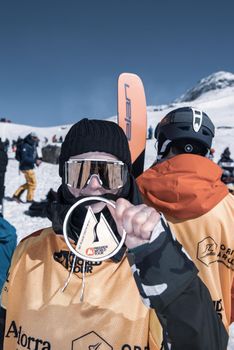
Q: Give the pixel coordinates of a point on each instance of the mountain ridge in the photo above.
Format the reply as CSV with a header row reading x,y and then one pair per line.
x,y
216,81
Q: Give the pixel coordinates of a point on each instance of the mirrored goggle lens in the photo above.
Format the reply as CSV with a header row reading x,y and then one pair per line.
x,y
113,174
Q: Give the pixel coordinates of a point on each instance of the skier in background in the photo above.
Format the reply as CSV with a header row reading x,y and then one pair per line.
x,y
27,156
186,186
111,303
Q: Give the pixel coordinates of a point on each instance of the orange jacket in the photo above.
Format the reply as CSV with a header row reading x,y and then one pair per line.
x,y
200,211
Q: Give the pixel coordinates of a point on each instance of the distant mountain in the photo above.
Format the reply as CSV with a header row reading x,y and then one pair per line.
x,y
216,81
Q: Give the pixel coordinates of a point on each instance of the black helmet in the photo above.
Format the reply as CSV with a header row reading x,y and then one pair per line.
x,y
186,127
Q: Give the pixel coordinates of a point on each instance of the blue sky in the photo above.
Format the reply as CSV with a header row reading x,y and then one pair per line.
x,y
60,60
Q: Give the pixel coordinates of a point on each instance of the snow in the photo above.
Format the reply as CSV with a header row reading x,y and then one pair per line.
x,y
12,131
218,104
47,177
215,81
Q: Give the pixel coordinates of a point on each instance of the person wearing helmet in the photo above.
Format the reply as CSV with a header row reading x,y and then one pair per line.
x,y
186,186
56,300
184,130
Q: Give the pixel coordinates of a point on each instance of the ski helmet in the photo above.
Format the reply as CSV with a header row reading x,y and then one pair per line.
x,y
186,127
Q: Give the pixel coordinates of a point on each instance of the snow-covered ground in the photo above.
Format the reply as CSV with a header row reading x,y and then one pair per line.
x,y
47,177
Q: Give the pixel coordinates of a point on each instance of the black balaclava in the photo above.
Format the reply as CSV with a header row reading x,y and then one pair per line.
x,y
90,136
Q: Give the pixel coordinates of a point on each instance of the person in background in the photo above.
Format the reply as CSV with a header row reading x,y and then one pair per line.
x,y
212,154
226,156
54,139
3,167
150,132
186,186
6,144
226,163
113,304
28,158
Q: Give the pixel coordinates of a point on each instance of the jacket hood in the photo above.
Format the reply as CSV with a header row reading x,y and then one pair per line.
x,y
183,187
28,139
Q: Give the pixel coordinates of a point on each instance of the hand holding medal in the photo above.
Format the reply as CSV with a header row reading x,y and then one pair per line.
x,y
98,242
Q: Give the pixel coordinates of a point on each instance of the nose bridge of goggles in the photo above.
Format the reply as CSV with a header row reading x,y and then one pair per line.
x,y
96,176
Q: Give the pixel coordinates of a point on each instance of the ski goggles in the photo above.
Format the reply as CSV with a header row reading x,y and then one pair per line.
x,y
112,174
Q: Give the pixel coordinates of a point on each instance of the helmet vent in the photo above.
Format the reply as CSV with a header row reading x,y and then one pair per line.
x,y
205,133
184,127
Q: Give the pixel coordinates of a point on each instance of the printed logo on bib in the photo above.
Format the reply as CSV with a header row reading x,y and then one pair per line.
x,y
24,340
208,252
66,258
90,341
96,238
218,305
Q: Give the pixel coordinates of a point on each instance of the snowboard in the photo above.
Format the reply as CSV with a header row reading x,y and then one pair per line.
x,y
132,117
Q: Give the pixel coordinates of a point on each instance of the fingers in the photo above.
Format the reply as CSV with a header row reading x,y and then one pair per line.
x,y
140,218
138,221
133,218
121,205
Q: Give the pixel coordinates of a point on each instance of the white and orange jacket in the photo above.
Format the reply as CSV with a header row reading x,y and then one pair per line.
x,y
200,211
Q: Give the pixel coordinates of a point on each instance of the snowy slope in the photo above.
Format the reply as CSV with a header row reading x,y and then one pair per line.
x,y
216,81
12,131
214,94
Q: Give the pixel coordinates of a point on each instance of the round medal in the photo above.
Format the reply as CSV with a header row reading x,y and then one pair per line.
x,y
97,241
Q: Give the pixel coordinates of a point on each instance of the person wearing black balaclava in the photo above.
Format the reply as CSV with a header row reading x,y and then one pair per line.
x,y
111,304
